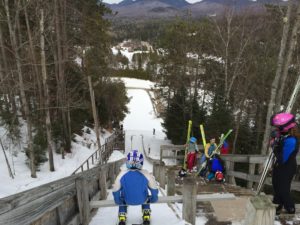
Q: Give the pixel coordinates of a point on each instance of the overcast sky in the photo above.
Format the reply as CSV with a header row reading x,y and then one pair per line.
x,y
117,1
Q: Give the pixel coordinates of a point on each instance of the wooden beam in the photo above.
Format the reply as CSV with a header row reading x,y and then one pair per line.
x,y
83,201
169,199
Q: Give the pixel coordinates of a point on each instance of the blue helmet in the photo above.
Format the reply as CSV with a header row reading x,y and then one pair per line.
x,y
135,160
193,140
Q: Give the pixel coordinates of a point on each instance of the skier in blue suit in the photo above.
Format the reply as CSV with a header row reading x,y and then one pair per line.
x,y
135,187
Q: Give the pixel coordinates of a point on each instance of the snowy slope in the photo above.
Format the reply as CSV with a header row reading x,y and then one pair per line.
x,y
63,167
138,126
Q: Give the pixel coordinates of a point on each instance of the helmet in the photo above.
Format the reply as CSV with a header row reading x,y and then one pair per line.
x,y
283,121
135,160
219,176
193,140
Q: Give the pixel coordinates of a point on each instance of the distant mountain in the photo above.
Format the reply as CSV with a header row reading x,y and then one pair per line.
x,y
215,7
147,8
172,8
173,3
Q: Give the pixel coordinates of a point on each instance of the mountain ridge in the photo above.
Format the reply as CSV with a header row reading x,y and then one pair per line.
x,y
172,8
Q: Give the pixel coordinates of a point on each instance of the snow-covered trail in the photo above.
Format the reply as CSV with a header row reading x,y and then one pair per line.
x,y
138,124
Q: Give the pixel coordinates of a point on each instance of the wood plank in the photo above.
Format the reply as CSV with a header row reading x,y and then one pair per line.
x,y
168,199
83,200
14,201
74,220
35,209
176,147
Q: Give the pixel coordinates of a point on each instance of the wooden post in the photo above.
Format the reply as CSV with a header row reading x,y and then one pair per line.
x,y
156,170
102,183
161,154
251,172
260,211
171,182
230,167
162,175
93,159
83,200
87,164
117,169
189,200
111,174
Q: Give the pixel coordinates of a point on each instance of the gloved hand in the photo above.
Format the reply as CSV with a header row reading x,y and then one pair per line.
x,y
117,198
152,199
154,195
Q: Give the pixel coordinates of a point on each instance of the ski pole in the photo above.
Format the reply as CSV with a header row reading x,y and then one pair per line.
x,y
265,171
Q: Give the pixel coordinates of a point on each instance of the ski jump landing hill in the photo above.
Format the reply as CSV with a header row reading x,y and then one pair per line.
x,y
73,200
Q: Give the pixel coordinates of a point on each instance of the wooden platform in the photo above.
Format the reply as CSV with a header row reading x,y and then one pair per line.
x,y
229,211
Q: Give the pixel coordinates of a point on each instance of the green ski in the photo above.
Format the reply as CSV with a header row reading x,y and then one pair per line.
x,y
216,151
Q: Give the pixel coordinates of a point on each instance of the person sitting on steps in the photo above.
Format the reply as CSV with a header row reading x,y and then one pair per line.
x,y
132,187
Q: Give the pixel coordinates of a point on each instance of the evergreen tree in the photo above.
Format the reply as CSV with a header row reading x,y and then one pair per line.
x,y
176,117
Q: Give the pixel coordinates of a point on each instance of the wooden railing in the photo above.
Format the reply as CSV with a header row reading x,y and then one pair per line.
x,y
172,151
253,161
253,175
113,142
60,202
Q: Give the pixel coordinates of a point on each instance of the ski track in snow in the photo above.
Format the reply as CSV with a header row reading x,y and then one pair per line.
x,y
138,125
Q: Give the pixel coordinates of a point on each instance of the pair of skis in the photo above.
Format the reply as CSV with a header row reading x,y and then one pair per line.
x,y
216,151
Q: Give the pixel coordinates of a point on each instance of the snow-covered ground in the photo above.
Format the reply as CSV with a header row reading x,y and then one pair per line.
x,y
63,167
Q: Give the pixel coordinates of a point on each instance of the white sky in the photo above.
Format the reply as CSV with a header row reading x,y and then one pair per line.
x,y
117,1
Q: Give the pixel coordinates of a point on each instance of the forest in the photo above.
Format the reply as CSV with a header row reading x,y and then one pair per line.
x,y
231,71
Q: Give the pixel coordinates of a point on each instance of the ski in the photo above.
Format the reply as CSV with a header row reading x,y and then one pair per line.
x,y
187,142
216,151
203,136
222,139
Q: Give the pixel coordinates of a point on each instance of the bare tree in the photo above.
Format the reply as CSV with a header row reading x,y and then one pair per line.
x,y
292,46
46,93
15,47
33,55
275,83
94,112
61,74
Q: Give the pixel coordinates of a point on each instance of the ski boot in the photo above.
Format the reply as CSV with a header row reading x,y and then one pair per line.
x,y
146,216
122,218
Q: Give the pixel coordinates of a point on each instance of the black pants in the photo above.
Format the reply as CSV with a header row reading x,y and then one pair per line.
x,y
281,180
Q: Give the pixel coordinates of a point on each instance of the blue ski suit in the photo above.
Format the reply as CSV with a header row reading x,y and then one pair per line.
x,y
134,187
285,150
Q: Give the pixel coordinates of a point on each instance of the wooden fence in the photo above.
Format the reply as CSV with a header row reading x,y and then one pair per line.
x,y
60,202
253,175
113,142
253,161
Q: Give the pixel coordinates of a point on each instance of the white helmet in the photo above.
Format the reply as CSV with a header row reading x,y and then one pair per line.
x,y
135,160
